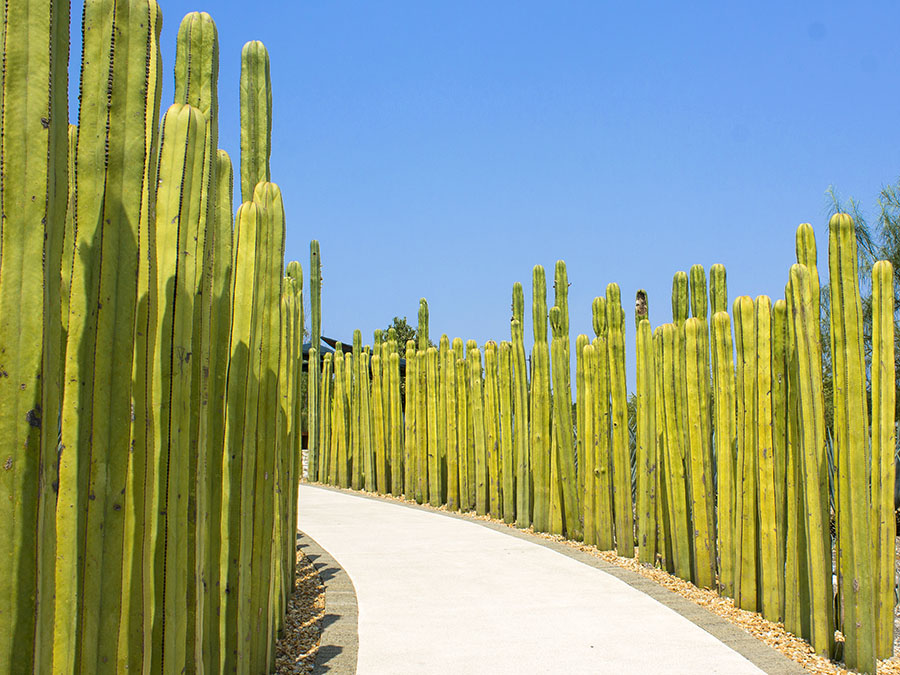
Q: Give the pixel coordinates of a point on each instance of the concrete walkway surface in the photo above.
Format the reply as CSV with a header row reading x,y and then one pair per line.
x,y
441,594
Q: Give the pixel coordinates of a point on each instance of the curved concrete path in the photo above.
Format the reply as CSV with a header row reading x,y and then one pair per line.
x,y
439,594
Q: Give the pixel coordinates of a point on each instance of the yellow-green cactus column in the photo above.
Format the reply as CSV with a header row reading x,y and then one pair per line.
x,y
33,100
603,496
646,433
356,476
746,517
803,305
256,117
326,394
771,576
698,454
421,492
434,451
581,340
854,503
615,319
520,402
396,425
590,439
462,431
883,443
562,419
366,434
409,419
540,404
780,435
507,457
476,399
665,516
314,404
448,392
492,427
378,408
725,440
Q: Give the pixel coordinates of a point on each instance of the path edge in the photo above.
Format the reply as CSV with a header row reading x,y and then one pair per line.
x,y
751,648
338,641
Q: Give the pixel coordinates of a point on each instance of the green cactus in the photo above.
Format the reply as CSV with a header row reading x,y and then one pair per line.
x,y
540,404
675,491
33,100
256,117
366,433
780,435
314,404
396,437
434,428
520,403
476,399
422,330
615,320
697,453
883,443
442,383
492,427
646,439
462,432
771,580
562,413
803,305
665,512
340,456
356,474
746,490
854,503
604,515
448,393
239,385
718,289
581,341
680,298
421,462
409,408
378,425
507,455
725,439
591,444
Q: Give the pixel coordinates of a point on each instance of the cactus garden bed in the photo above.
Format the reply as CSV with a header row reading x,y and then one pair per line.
x,y
773,634
295,651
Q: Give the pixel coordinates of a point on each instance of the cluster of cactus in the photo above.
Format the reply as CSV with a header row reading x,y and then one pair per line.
x,y
726,484
150,369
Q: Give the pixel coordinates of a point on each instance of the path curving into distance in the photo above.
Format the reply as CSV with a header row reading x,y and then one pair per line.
x,y
442,594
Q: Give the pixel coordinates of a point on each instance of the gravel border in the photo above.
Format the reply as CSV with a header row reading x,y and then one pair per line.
x,y
757,652
339,640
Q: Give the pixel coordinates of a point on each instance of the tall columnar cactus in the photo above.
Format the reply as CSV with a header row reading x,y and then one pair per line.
x,y
507,463
434,427
746,517
520,403
476,398
313,404
581,341
562,417
676,495
646,439
256,117
590,439
421,461
326,394
442,383
448,392
615,320
540,404
492,427
604,519
239,443
340,432
33,99
466,503
367,447
665,513
697,453
725,464
396,435
409,417
771,576
422,330
356,474
883,443
854,503
780,435
803,305
378,424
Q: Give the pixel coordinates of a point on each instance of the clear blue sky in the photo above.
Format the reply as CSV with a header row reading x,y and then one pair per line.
x,y
441,149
